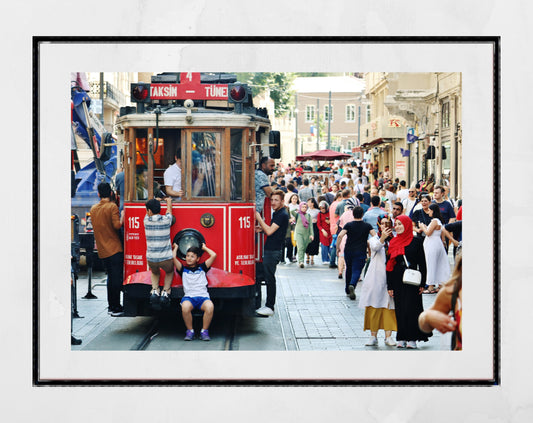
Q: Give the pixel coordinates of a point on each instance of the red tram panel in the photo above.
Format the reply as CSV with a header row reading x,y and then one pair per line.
x,y
230,233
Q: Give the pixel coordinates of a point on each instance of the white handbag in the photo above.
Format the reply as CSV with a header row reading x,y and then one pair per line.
x,y
410,276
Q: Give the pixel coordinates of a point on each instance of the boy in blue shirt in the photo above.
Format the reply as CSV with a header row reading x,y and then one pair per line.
x,y
196,296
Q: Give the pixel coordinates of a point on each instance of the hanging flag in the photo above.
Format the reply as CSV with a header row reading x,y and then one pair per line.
x,y
405,153
313,130
411,137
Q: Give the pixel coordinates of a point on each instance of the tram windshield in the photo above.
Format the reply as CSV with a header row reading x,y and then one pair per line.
x,y
213,163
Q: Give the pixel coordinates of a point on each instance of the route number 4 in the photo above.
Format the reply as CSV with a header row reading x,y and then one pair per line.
x,y
245,222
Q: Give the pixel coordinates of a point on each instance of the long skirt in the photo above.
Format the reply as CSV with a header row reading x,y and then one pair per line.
x,y
379,318
312,247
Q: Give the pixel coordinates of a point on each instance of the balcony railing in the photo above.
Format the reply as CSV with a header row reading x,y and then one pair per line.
x,y
111,93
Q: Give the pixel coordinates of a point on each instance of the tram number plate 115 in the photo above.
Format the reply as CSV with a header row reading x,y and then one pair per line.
x,y
133,222
245,222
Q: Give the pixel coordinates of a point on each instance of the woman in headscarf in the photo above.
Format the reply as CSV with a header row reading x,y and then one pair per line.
x,y
346,216
375,299
324,228
303,230
407,298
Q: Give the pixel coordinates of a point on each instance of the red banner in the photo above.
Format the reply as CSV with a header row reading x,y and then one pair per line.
x,y
190,87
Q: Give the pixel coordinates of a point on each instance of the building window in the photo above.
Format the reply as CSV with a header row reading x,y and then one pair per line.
x,y
446,115
350,113
327,115
309,113
368,115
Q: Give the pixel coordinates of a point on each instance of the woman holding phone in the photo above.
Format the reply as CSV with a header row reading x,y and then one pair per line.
x,y
375,299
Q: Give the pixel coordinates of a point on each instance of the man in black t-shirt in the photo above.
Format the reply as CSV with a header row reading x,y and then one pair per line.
x,y
273,248
446,208
355,249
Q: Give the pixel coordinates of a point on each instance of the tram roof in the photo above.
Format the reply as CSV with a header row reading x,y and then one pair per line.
x,y
176,117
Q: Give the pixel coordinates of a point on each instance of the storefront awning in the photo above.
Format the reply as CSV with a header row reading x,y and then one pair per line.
x,y
367,146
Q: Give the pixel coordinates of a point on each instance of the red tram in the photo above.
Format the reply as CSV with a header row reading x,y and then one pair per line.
x,y
211,120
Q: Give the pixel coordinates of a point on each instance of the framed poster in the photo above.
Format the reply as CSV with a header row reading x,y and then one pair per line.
x,y
476,59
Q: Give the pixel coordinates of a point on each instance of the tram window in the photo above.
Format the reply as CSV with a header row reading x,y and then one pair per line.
x,y
164,149
205,172
236,164
171,144
141,146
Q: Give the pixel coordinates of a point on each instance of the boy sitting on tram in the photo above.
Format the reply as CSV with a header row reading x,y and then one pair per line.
x,y
196,296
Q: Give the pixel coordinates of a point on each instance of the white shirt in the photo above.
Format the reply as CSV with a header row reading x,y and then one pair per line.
x,y
408,205
390,196
403,194
194,281
172,177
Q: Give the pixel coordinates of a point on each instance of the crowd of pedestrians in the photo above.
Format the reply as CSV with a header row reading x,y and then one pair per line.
x,y
351,217
371,228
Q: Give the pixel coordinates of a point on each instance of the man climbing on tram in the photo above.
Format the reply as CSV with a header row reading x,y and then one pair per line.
x,y
262,183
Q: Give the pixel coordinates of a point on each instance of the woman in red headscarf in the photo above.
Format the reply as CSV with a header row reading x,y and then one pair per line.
x,y
407,298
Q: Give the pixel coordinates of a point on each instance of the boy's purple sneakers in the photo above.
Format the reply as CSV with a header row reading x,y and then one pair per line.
x,y
204,335
189,335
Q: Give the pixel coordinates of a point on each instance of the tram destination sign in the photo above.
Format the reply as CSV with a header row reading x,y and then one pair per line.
x,y
189,88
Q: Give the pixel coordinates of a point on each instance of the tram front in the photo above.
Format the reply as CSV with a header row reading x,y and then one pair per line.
x,y
209,123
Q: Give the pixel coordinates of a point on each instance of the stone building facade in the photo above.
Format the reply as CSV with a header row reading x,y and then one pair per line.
x,y
415,126
316,125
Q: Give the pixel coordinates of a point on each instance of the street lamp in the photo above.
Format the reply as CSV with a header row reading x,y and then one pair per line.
x,y
295,114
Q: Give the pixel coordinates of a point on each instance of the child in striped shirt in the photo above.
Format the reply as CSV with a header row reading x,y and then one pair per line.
x,y
159,250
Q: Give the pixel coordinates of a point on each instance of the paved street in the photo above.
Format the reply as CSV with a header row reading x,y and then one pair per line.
x,y
322,317
312,314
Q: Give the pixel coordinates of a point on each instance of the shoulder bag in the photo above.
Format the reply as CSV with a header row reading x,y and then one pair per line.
x,y
411,276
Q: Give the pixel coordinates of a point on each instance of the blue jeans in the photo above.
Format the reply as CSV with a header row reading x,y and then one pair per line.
x,y
333,251
355,262
271,258
325,252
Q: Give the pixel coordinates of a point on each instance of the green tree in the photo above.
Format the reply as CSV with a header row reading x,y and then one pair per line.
x,y
279,85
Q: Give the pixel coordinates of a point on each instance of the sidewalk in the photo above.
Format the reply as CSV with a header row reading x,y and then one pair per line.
x,y
93,312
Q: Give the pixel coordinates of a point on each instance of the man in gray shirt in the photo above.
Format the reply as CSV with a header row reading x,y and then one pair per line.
x,y
306,192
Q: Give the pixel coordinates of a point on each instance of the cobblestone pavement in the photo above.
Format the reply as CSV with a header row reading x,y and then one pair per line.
x,y
322,317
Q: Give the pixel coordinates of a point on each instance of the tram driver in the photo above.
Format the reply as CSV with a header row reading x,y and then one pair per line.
x,y
172,177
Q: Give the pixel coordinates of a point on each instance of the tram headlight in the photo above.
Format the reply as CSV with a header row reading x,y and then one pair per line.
x,y
140,93
237,93
187,238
